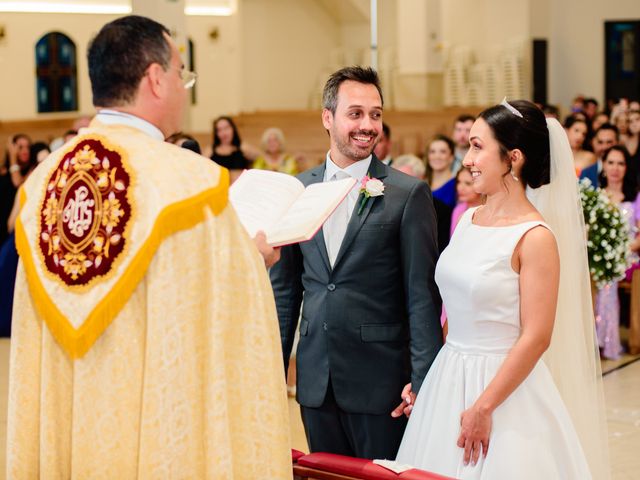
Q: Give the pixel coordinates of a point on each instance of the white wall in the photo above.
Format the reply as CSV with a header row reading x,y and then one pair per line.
x,y
17,59
484,25
218,63
286,46
576,45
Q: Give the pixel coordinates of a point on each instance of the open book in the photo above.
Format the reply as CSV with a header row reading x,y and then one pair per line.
x,y
282,207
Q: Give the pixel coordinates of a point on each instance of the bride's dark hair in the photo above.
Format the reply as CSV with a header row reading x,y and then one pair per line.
x,y
529,134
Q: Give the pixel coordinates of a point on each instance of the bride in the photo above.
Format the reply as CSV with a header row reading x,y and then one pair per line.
x,y
515,284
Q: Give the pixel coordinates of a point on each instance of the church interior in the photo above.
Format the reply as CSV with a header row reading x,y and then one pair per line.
x,y
264,63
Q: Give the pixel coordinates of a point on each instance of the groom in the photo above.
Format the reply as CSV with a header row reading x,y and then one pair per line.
x,y
370,321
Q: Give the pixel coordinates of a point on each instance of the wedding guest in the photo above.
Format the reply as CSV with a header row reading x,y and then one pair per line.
x,y
600,119
621,121
460,136
185,140
577,130
383,147
605,138
551,111
590,108
439,157
412,165
632,141
227,151
274,156
14,169
618,179
8,254
467,197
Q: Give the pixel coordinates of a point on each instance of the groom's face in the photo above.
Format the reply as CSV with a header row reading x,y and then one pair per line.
x,y
357,123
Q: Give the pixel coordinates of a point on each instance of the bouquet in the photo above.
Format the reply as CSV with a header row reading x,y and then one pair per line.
x,y
608,243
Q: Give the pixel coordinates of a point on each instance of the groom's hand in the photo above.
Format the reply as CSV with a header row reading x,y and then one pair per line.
x,y
408,399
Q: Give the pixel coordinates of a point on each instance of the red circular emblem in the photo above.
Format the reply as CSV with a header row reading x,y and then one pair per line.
x,y
85,213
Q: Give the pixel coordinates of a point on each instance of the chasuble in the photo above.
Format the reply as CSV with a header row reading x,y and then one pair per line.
x,y
145,340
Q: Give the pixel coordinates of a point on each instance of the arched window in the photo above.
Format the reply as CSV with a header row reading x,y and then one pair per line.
x,y
56,71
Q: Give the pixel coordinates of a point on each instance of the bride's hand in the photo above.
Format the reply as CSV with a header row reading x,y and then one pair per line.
x,y
475,428
408,399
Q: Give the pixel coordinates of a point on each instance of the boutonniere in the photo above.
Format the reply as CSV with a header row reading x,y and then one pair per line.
x,y
370,187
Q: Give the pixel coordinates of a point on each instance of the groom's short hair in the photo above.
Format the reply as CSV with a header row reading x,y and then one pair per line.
x,y
366,75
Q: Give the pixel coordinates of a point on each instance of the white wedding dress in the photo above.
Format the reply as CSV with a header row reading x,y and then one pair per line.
x,y
532,436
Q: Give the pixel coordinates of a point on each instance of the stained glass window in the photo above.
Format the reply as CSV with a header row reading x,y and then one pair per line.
x,y
56,70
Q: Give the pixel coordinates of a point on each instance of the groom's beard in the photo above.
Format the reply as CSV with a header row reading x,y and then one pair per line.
x,y
355,152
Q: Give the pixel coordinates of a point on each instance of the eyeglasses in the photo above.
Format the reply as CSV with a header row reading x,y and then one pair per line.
x,y
188,78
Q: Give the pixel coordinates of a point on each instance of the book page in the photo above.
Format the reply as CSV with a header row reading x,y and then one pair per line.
x,y
260,198
394,466
309,212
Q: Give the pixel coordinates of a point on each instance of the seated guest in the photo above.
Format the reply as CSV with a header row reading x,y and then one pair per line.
x,y
226,147
185,140
600,119
439,157
383,148
460,136
13,172
605,138
632,141
8,254
577,131
467,196
590,108
551,111
412,165
274,157
621,121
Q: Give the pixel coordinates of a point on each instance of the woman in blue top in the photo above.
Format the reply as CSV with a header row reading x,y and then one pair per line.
x,y
439,157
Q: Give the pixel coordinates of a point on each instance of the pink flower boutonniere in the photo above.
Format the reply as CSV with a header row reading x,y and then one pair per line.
x,y
370,187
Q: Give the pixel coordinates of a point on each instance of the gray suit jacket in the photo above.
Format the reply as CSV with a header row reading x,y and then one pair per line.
x,y
372,323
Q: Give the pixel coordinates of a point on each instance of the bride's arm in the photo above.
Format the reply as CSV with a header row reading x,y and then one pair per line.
x,y
537,260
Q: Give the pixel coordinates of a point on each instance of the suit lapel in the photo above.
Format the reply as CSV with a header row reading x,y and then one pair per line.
x,y
317,176
378,170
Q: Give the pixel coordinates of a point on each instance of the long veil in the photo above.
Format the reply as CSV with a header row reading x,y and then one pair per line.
x,y
573,356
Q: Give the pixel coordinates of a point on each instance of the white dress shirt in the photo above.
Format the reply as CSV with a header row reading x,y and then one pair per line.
x,y
114,117
336,225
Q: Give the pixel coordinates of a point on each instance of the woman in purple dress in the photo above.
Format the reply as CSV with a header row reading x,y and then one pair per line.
x,y
618,180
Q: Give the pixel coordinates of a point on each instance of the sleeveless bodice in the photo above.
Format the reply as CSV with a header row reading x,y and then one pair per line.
x,y
479,288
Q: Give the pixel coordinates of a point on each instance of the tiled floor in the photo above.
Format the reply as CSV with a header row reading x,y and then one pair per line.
x,y
622,389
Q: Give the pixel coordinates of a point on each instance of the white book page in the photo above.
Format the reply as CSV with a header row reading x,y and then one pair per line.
x,y
394,466
309,212
260,198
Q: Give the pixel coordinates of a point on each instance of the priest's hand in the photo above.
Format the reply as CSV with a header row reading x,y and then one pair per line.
x,y
270,254
408,399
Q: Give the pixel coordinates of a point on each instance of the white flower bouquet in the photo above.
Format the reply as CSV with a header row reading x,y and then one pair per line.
x,y
608,242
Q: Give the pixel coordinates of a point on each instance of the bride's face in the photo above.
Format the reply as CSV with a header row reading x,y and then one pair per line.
x,y
483,159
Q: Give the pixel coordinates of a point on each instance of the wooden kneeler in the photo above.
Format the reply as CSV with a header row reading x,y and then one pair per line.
x,y
328,466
